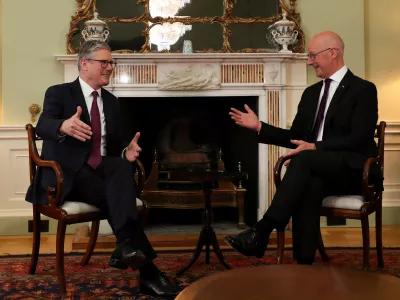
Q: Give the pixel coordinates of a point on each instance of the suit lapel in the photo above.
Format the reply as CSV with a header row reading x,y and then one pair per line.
x,y
338,96
80,101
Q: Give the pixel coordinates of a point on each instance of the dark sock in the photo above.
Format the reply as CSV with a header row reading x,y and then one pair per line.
x,y
128,231
122,236
265,226
149,270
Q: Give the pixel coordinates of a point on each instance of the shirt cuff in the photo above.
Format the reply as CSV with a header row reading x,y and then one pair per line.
x,y
123,152
61,138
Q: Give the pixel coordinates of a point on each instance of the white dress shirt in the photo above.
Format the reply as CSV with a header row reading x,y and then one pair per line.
x,y
87,91
336,79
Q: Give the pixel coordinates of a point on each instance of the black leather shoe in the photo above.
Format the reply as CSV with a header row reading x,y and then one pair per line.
x,y
159,286
248,243
125,256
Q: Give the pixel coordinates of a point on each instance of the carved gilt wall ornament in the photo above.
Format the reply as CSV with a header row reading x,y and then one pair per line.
x,y
226,21
34,109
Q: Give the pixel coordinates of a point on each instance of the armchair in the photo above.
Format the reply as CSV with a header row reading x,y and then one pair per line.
x,y
352,206
67,213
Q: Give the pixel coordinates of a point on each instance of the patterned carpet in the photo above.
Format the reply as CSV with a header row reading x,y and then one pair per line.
x,y
99,281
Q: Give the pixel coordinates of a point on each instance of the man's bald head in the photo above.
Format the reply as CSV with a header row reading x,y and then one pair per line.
x,y
326,50
328,39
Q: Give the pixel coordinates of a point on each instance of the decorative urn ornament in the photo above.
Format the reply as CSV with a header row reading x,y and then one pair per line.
x,y
95,30
283,33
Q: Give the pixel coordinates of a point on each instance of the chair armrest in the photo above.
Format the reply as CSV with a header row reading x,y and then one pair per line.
x,y
369,188
278,170
54,194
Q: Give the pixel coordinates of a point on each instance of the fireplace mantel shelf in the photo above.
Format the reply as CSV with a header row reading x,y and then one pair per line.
x,y
154,57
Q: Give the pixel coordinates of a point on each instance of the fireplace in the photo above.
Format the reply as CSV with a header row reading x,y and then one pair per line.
x,y
275,82
194,132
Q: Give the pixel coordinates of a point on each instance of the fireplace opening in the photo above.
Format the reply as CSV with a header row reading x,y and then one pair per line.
x,y
194,132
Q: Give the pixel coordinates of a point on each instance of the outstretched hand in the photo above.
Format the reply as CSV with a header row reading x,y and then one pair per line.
x,y
248,119
76,128
133,150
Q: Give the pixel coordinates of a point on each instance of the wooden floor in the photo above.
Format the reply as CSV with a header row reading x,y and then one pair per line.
x,y
333,237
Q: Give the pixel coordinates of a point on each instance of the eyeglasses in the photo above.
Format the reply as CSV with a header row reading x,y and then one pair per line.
x,y
314,55
105,63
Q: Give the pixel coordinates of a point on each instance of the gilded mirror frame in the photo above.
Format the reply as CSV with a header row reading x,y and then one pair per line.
x,y
86,8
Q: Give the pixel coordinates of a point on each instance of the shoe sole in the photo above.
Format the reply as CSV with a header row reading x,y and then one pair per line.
x,y
245,253
134,261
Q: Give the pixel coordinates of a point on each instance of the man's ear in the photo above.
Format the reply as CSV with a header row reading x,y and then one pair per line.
x,y
83,63
335,53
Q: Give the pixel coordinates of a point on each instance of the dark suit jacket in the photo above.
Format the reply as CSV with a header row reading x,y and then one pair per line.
x,y
60,103
349,123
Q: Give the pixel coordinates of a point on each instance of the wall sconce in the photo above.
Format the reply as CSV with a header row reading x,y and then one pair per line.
x,y
34,109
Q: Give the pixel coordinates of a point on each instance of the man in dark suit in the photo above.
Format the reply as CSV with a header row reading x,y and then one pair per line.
x,y
332,135
81,130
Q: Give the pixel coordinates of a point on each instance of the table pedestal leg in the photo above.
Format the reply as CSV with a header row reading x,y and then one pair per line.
x,y
207,237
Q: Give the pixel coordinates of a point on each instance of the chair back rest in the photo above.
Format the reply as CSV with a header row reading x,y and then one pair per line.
x,y
380,135
33,152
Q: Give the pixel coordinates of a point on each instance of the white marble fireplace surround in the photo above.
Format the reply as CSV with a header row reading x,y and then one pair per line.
x,y
278,81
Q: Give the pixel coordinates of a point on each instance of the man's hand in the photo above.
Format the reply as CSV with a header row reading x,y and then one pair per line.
x,y
301,145
248,120
133,150
76,128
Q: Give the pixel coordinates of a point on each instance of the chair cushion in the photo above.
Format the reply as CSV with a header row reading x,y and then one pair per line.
x,y
352,202
73,207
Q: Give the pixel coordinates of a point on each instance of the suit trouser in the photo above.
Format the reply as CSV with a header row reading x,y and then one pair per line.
x,y
111,188
311,176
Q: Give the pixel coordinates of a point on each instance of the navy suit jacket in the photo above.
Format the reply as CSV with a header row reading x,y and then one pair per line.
x,y
349,125
60,103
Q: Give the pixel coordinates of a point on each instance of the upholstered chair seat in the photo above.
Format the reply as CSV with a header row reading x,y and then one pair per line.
x,y
74,207
352,202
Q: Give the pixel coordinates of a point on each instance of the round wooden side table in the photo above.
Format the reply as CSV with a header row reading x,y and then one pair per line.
x,y
293,282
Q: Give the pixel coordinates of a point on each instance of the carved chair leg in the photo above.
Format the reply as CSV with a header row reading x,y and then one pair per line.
x,y
321,247
378,230
36,240
366,243
60,258
92,243
280,236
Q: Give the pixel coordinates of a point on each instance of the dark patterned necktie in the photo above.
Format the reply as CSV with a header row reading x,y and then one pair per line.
x,y
95,155
321,111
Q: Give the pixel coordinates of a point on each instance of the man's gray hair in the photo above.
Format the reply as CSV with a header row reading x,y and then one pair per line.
x,y
88,47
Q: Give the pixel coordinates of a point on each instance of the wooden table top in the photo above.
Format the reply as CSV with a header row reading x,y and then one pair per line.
x,y
293,282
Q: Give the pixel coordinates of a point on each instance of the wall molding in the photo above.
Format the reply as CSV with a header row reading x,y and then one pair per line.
x,y
13,132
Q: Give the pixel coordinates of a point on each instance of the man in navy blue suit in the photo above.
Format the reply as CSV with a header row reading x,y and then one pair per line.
x,y
331,137
81,131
